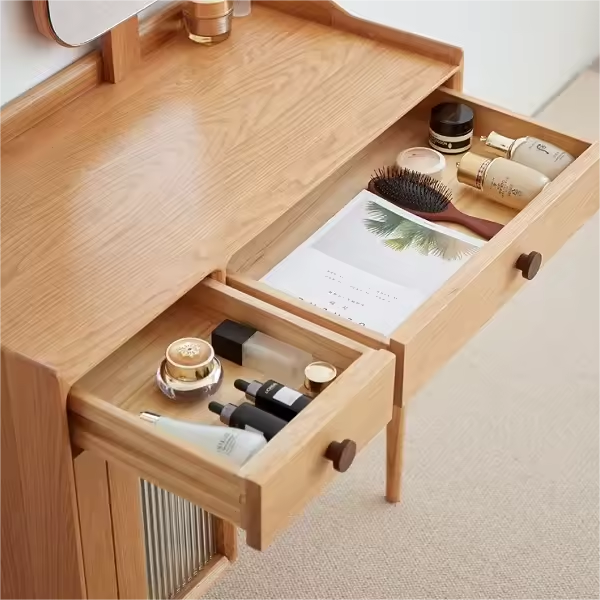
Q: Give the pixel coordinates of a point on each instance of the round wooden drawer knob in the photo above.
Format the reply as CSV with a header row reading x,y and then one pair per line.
x,y
529,264
341,454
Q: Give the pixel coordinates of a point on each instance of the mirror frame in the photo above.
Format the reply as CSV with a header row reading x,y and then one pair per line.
x,y
43,20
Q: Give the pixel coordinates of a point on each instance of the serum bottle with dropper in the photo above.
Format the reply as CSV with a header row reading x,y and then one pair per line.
x,y
529,151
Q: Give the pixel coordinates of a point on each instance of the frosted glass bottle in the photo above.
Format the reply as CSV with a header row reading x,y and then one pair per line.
x,y
244,345
531,152
277,359
502,180
235,445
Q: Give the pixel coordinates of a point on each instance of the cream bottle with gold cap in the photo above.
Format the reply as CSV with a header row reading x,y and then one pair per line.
x,y
502,180
529,151
208,22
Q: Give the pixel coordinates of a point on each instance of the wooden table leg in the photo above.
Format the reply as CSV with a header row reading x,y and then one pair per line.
x,y
394,443
227,544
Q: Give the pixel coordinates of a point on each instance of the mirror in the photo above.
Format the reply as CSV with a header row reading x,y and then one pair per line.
x,y
80,22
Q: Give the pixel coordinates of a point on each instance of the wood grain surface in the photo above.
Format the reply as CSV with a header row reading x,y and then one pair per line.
x,y
41,552
206,578
394,450
96,526
227,539
328,12
135,192
84,74
44,99
572,189
292,469
121,50
440,326
128,532
106,402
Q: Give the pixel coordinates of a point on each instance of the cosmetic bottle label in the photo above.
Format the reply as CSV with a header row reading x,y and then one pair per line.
x,y
450,145
287,395
282,394
227,443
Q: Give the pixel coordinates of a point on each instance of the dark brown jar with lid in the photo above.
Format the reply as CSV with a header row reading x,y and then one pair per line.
x,y
451,127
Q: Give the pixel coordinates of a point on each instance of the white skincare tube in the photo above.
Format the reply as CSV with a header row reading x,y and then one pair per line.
x,y
235,445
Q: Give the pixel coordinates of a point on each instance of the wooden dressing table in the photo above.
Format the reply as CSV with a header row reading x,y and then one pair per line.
x,y
136,213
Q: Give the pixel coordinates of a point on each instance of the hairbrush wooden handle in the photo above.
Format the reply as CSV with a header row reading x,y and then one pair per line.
x,y
486,229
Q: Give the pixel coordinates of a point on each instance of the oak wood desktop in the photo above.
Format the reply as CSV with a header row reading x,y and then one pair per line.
x,y
213,161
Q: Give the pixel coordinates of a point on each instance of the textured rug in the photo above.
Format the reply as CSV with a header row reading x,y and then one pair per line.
x,y
501,470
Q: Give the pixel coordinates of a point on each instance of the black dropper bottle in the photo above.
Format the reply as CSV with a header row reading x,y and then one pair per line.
x,y
247,416
274,398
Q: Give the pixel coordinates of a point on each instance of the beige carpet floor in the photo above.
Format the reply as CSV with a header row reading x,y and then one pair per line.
x,y
501,479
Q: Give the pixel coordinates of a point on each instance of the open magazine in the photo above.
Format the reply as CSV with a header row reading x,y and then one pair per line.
x,y
372,263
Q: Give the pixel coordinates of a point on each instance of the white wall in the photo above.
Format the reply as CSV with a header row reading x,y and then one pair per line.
x,y
26,56
517,53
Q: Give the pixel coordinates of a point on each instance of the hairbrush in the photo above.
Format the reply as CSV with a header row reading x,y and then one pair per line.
x,y
427,198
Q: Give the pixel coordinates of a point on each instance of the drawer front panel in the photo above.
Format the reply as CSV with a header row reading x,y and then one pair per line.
x,y
292,469
469,299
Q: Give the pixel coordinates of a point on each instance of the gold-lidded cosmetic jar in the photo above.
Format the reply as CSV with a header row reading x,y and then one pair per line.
x,y
189,371
208,22
317,376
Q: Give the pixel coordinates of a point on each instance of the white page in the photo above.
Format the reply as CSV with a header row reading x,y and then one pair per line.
x,y
372,263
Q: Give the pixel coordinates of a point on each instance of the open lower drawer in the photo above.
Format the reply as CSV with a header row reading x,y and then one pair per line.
x,y
453,314
279,480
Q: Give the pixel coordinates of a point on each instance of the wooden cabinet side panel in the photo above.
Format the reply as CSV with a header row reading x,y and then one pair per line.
x,y
39,510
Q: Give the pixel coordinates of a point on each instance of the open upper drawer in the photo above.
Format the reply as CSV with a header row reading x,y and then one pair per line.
x,y
453,314
279,480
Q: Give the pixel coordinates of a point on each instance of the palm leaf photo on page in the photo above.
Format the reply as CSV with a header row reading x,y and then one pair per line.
x,y
372,263
400,233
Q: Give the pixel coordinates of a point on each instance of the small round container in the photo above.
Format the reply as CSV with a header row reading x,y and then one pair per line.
x,y
208,22
451,128
317,376
423,160
190,370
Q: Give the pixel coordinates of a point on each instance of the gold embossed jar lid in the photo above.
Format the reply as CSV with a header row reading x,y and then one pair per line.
x,y
190,359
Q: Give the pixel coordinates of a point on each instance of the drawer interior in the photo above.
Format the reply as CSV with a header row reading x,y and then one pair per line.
x,y
257,258
105,404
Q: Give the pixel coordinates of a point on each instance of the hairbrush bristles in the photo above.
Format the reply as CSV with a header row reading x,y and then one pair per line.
x,y
410,189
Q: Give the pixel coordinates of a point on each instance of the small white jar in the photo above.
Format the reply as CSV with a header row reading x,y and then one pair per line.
x,y
423,160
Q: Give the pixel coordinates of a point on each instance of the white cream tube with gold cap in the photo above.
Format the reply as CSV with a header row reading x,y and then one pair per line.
x,y
235,445
529,151
502,180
